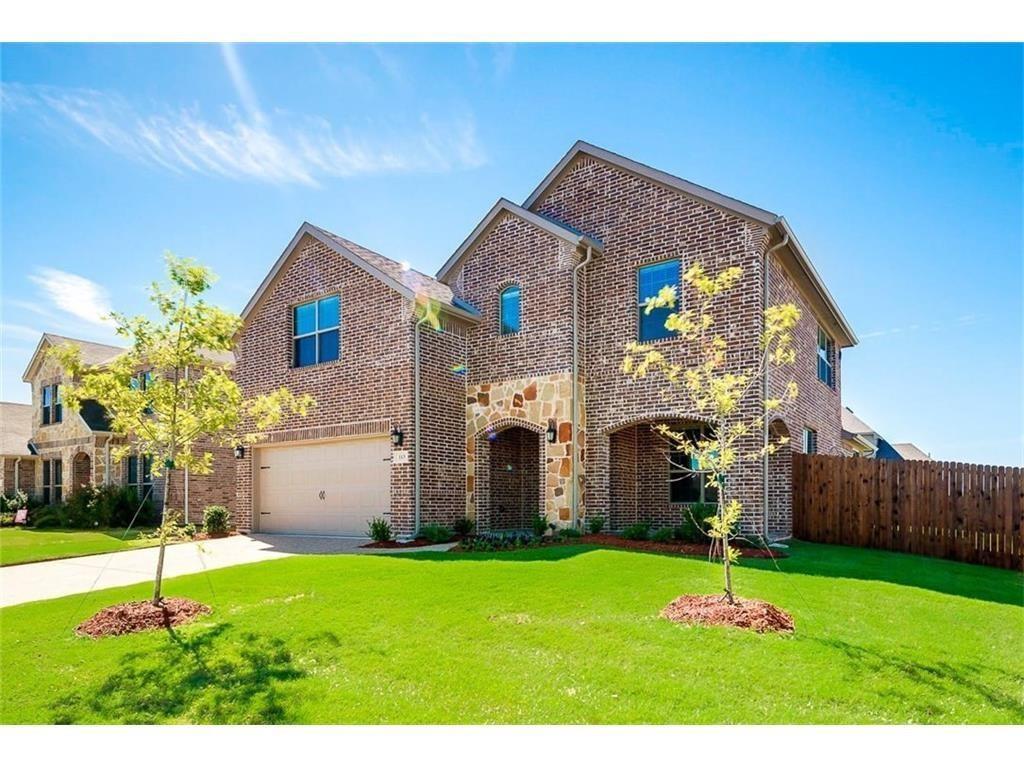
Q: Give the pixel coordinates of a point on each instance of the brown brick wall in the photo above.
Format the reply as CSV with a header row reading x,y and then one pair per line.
x,y
640,222
372,381
204,490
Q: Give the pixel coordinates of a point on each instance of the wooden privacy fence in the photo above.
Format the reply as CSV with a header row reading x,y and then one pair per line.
x,y
965,512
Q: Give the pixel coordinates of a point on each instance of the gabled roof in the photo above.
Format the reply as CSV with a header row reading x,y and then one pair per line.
x,y
910,452
15,429
408,282
92,353
855,425
799,261
550,226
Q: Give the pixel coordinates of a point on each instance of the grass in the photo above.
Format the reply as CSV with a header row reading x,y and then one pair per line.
x,y
556,635
30,545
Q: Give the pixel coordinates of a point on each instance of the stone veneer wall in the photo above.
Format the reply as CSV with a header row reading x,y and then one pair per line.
x,y
531,403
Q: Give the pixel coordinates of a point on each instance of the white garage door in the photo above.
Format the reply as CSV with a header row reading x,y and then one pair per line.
x,y
334,487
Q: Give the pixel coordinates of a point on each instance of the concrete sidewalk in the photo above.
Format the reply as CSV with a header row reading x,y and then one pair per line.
x,y
74,575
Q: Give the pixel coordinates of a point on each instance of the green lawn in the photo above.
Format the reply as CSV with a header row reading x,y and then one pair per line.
x,y
29,545
559,635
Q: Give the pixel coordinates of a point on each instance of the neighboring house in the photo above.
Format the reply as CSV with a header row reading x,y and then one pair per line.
x,y
74,449
17,463
508,400
859,439
910,452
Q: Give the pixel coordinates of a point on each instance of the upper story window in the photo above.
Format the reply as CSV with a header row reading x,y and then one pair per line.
x,y
53,408
510,310
316,331
141,381
686,485
826,358
810,440
649,280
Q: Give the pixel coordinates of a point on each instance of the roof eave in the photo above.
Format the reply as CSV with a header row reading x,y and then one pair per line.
x,y
849,337
503,205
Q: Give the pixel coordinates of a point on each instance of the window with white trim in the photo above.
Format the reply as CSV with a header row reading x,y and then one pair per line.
x,y
52,405
509,310
139,474
650,279
826,358
316,332
810,440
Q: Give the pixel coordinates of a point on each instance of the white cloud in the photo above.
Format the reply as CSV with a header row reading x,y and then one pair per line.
x,y
306,150
78,296
20,332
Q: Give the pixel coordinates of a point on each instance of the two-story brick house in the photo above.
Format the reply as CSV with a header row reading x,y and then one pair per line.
x,y
510,401
73,449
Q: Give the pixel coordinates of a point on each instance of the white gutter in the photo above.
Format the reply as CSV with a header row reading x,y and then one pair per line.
x,y
17,475
764,393
574,478
416,429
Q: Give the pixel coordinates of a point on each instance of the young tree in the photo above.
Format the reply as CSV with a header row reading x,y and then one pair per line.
x,y
719,390
188,401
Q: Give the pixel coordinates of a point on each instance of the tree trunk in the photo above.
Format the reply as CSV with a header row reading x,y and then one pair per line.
x,y
158,580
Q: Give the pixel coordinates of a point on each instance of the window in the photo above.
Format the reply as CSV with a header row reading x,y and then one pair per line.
x,y
810,440
826,354
686,485
316,329
53,480
47,395
142,481
650,280
142,380
53,407
509,310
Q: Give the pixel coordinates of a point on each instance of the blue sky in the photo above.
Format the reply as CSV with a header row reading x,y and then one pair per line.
x,y
900,167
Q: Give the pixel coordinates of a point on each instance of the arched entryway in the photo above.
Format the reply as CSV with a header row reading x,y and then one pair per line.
x,y
509,476
780,481
649,479
81,470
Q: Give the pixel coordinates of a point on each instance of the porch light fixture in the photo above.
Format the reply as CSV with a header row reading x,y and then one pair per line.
x,y
552,433
239,451
397,436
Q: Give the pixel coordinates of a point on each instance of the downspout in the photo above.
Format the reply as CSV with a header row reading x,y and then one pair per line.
x,y
574,477
764,394
416,429
106,461
17,475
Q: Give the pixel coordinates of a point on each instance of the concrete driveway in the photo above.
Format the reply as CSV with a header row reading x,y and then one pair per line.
x,y
74,575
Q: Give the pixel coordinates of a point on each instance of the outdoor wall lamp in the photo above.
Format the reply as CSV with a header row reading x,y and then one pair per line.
x,y
397,436
239,451
552,433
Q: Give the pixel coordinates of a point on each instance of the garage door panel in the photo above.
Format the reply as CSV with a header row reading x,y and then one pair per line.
x,y
332,487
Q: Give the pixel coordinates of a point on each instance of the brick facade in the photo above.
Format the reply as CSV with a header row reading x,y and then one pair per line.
x,y
477,384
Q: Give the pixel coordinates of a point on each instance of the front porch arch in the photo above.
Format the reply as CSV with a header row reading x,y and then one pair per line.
x,y
509,487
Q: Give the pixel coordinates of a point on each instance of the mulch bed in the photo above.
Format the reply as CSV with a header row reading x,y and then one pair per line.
x,y
141,615
675,548
397,544
714,610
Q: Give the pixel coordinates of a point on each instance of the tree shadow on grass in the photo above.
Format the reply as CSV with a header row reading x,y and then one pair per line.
x,y
205,676
978,582
944,678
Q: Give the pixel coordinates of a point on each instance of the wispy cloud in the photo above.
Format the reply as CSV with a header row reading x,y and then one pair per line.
x,y
78,296
306,150
934,327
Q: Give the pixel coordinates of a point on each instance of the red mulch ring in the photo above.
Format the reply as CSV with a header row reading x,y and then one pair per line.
x,y
396,544
714,610
138,616
675,548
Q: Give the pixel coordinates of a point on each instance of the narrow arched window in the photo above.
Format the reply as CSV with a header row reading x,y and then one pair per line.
x,y
509,310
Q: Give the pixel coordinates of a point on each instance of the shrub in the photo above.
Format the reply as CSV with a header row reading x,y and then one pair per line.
x,y
15,501
663,535
595,523
119,504
539,525
464,526
46,517
215,519
81,510
637,531
570,533
436,534
380,529
6,518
